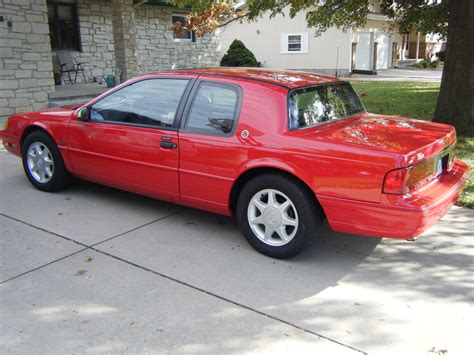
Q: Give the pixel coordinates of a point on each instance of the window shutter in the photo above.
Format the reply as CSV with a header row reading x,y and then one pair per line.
x,y
284,43
304,42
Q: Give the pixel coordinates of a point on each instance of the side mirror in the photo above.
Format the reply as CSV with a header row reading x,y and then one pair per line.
x,y
83,114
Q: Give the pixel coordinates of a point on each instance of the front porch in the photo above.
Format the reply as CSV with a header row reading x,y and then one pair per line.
x,y
75,94
121,38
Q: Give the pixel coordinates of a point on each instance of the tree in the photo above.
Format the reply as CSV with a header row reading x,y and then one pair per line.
x,y
238,56
451,18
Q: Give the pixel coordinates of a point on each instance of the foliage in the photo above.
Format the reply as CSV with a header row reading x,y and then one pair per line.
x,y
416,100
206,18
441,55
465,152
426,16
238,56
433,64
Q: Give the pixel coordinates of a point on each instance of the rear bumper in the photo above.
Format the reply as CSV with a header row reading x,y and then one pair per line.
x,y
398,216
12,144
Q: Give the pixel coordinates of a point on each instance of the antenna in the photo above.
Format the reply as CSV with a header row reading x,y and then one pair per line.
x,y
337,60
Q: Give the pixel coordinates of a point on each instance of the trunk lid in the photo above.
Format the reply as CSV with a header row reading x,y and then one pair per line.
x,y
413,140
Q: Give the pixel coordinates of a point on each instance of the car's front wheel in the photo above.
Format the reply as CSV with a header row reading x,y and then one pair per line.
x,y
277,215
43,164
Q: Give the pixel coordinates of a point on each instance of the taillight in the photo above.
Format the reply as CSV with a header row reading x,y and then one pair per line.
x,y
396,182
402,181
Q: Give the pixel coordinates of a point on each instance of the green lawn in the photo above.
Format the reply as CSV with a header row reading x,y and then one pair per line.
x,y
415,100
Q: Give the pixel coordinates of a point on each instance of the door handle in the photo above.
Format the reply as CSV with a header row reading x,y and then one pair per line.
x,y
168,145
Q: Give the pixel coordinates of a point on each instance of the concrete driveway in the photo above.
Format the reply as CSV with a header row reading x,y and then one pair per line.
x,y
402,74
96,270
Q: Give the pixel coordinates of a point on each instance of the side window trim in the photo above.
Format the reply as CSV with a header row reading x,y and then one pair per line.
x,y
191,98
179,109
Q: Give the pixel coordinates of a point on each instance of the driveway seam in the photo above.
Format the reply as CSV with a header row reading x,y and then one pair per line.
x,y
136,228
85,246
222,298
42,266
170,278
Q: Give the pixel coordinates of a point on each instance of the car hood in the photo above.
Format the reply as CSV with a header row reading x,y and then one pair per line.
x,y
56,114
412,140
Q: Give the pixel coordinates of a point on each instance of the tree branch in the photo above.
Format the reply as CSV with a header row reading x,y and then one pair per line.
x,y
232,20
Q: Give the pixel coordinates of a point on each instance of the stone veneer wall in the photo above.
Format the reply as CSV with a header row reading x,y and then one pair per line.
x,y
157,50
26,73
95,26
26,60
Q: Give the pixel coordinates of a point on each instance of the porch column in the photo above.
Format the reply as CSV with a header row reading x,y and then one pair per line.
x,y
417,45
125,39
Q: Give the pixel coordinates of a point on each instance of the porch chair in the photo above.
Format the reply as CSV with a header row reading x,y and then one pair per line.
x,y
67,65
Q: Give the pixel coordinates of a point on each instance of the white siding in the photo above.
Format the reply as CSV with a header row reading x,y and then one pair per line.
x,y
264,39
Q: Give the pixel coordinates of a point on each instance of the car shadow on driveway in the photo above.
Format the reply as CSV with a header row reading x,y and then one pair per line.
x,y
362,291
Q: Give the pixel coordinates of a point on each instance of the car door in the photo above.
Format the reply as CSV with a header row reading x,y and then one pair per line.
x,y
130,138
210,152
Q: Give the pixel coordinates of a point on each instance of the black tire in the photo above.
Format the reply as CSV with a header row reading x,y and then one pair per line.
x,y
309,214
60,177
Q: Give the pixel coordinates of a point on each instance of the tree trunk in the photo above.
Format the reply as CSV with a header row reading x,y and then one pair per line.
x,y
456,97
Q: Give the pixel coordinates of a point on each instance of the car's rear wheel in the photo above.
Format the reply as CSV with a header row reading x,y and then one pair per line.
x,y
44,167
278,215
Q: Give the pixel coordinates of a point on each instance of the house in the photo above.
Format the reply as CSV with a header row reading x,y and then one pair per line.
x,y
284,42
416,46
111,37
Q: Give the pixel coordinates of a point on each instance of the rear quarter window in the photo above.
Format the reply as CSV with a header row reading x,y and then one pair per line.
x,y
314,105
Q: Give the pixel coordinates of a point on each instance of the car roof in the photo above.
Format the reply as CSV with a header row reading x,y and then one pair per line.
x,y
286,78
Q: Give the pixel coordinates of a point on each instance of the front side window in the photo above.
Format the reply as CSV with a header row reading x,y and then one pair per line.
x,y
151,102
63,25
314,105
214,109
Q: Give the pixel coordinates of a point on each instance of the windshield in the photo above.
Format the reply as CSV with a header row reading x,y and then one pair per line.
x,y
314,105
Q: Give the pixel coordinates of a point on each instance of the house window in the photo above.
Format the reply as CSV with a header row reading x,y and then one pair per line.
x,y
63,25
185,36
294,43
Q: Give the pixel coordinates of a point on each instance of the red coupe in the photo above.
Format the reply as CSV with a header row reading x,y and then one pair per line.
x,y
280,150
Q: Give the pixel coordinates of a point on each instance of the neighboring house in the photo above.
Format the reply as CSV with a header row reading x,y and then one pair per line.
x,y
418,46
111,37
284,42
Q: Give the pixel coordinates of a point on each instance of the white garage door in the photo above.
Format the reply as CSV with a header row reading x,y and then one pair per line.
x,y
363,53
384,49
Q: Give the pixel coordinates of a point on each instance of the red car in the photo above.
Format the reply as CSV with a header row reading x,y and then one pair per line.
x,y
280,150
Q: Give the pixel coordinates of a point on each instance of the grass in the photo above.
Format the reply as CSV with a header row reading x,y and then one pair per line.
x,y
415,100
465,152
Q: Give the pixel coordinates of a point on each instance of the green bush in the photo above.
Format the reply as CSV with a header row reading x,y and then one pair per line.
x,y
427,64
239,56
441,55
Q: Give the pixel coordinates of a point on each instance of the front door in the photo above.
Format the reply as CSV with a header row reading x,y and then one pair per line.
x,y
130,139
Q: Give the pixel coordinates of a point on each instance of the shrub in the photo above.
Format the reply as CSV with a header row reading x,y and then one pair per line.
x,y
441,55
239,56
426,64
